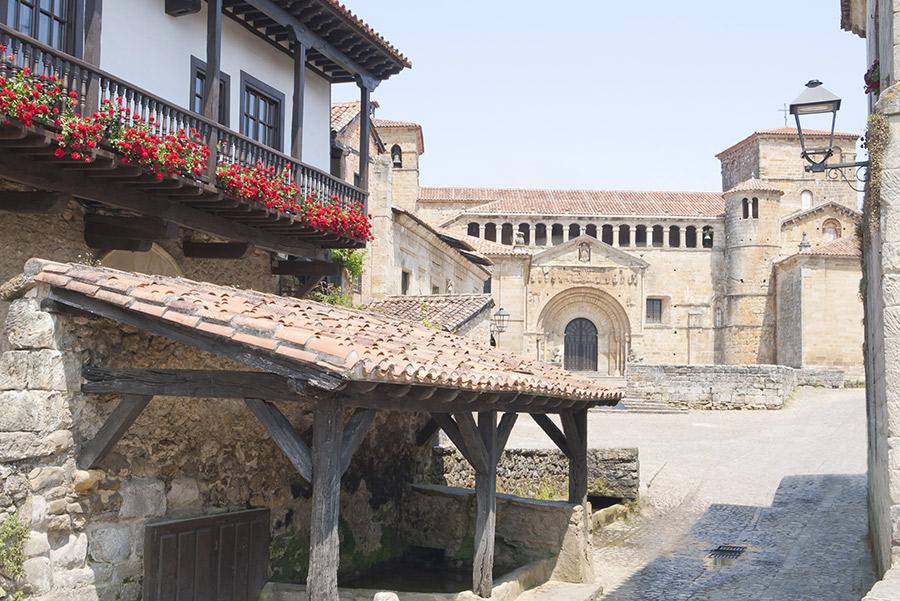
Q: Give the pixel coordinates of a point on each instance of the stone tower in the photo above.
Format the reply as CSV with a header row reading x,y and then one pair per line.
x,y
752,242
404,144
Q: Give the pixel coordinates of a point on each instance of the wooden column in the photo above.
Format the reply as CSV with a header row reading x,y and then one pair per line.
x,y
575,428
365,126
324,551
299,87
93,13
213,78
485,508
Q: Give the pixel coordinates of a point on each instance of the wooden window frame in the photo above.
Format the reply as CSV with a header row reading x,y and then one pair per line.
x,y
74,28
199,66
248,82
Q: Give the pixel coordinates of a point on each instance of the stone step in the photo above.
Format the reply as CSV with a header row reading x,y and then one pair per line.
x,y
563,591
634,406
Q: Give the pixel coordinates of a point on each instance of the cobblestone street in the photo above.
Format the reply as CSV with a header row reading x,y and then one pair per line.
x,y
789,485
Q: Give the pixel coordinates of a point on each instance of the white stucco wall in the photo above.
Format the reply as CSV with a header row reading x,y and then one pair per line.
x,y
144,46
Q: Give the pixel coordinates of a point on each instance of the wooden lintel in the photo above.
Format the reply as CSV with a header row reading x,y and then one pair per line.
x,y
112,430
37,202
120,226
192,383
354,433
553,432
216,250
284,435
311,268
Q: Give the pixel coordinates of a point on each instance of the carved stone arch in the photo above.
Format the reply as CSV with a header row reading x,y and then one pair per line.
x,y
601,309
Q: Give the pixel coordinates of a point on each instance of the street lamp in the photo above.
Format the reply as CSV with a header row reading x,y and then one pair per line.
x,y
500,320
816,100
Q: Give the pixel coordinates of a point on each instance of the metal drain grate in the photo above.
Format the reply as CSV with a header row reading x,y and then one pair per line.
x,y
727,552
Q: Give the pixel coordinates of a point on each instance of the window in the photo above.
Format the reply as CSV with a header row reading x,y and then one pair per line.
x,y
674,236
755,208
657,236
831,230
397,156
198,85
690,236
806,198
606,234
523,234
654,310
506,234
262,112
624,235
556,234
540,234
707,236
490,232
574,231
404,282
473,229
640,235
48,21
590,230
746,206
435,289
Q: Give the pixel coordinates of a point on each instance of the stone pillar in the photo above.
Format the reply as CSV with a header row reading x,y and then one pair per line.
x,y
533,236
565,233
665,233
616,242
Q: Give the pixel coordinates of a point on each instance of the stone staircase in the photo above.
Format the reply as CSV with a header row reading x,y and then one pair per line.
x,y
631,405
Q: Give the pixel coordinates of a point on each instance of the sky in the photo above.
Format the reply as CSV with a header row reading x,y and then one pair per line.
x,y
601,94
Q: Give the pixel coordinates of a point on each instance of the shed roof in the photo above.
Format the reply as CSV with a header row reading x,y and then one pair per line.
x,y
325,346
447,311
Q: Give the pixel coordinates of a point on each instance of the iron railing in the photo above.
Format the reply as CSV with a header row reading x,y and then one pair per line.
x,y
226,146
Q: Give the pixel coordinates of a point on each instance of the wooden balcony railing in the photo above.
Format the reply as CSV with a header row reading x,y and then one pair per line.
x,y
93,86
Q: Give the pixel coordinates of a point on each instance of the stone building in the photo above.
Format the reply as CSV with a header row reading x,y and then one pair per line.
x,y
595,278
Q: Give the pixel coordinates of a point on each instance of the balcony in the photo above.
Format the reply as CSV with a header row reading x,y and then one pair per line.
x,y
196,201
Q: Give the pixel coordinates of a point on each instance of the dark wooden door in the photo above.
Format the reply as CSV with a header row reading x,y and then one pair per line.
x,y
581,345
211,558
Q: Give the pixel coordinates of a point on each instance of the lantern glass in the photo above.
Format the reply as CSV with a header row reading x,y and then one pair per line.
x,y
500,320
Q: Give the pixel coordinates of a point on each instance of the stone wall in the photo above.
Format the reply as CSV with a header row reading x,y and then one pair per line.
x,y
440,517
723,386
182,457
541,473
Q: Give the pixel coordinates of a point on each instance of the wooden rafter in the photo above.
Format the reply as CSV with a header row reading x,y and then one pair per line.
x,y
112,430
284,435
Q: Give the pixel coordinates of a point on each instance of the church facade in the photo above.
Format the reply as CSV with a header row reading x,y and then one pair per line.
x,y
595,279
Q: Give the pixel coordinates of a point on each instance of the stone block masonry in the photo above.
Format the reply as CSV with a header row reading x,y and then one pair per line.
x,y
723,386
542,473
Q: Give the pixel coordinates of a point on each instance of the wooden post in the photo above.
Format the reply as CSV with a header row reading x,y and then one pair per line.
x,y
93,19
485,508
299,88
575,428
324,551
364,134
213,79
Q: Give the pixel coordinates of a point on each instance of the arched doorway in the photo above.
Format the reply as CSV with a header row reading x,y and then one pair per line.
x,y
580,345
156,261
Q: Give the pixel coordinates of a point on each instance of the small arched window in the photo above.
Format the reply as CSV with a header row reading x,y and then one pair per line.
x,y
490,232
806,199
755,208
540,235
574,231
746,204
474,229
674,236
690,236
831,230
396,155
707,236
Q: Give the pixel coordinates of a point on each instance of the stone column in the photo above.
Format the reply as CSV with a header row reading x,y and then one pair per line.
x,y
616,242
533,236
665,236
565,234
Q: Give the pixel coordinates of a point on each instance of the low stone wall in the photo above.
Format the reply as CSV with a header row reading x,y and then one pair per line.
x,y
528,530
542,473
886,589
723,386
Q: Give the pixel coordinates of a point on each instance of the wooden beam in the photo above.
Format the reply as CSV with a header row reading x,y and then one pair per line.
x,y
299,50
98,242
485,507
426,432
575,427
284,435
37,202
213,78
117,226
216,250
504,430
191,337
448,425
381,399
324,545
354,433
311,268
365,133
112,430
192,383
468,430
553,432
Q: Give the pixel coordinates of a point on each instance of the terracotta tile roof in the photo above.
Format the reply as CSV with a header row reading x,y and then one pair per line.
x,y
845,246
505,201
488,248
370,33
337,342
755,185
342,113
787,133
447,311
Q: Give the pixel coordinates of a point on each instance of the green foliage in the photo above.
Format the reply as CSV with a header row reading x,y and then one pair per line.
x,y
351,259
423,317
332,295
13,533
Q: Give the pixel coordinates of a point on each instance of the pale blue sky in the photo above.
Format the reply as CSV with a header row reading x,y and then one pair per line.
x,y
601,94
